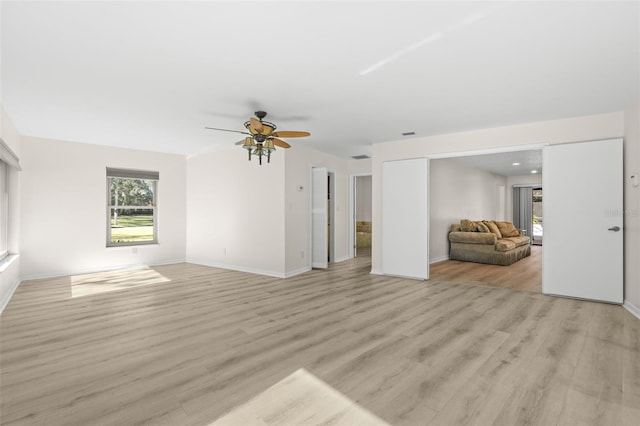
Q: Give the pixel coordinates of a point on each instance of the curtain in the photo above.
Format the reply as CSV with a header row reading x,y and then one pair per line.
x,y
523,209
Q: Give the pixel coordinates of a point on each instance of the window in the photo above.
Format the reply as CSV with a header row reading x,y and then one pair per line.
x,y
4,209
132,214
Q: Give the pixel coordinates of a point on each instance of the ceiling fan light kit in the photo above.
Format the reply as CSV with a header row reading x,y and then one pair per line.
x,y
263,138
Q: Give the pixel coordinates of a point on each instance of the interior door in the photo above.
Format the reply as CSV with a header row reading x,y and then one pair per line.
x,y
583,246
319,218
405,218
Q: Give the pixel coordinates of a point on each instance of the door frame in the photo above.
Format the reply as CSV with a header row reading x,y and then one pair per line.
x,y
332,174
352,211
456,154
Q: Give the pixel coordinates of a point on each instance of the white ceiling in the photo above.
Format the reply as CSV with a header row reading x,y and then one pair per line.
x,y
514,163
152,75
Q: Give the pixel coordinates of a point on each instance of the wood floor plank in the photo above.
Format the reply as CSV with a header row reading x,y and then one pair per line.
x,y
188,344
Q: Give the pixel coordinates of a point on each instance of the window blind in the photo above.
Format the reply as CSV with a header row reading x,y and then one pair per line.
x,y
132,174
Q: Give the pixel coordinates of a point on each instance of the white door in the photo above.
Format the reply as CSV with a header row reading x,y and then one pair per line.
x,y
583,237
319,218
405,218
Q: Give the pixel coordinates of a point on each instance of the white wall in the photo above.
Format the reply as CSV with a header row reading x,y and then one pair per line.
x,y
253,218
359,166
632,209
63,215
10,271
457,192
602,126
299,161
235,209
530,179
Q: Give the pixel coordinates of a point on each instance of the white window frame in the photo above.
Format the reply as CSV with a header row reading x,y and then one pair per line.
x,y
4,210
132,174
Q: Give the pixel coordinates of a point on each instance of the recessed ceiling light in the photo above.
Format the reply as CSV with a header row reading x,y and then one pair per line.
x,y
515,164
534,171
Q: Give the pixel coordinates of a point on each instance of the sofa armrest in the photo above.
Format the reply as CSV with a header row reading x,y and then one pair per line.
x,y
473,237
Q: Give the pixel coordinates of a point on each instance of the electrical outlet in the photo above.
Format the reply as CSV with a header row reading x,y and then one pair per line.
x,y
302,254
134,250
224,251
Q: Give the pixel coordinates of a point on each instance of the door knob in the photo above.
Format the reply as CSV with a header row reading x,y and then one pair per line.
x,y
614,228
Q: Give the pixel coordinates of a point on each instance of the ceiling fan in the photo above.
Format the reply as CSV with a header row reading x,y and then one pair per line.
x,y
262,138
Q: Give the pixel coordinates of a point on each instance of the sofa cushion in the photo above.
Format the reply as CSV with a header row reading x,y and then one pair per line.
x,y
472,238
518,241
482,227
467,225
493,228
507,229
505,244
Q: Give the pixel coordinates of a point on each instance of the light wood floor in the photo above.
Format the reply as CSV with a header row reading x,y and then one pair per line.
x,y
189,345
525,274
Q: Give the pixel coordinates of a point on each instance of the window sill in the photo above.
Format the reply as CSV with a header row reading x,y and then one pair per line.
x,y
151,243
7,261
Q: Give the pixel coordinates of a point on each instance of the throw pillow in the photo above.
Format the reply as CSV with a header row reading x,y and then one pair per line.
x,y
493,227
507,229
482,227
468,226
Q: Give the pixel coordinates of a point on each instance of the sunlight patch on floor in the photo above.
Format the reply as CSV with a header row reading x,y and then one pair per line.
x,y
102,282
299,399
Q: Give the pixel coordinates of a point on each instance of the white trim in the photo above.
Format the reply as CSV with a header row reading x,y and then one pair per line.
x,y
439,259
240,268
514,148
342,259
7,260
631,308
8,156
376,272
297,272
8,295
94,270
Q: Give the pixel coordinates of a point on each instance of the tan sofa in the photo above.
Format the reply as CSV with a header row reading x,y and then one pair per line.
x,y
492,242
363,234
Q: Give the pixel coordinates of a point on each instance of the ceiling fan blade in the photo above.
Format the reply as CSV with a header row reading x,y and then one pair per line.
x,y
227,130
291,134
256,124
240,142
280,143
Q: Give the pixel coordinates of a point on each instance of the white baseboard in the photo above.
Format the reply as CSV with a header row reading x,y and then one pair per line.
x,y
83,271
297,272
376,272
438,259
8,295
631,308
238,268
341,259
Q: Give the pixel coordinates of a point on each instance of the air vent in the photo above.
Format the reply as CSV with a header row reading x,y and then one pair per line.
x,y
360,157
408,133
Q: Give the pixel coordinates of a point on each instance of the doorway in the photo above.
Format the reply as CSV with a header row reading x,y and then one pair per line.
x,y
527,211
361,215
536,235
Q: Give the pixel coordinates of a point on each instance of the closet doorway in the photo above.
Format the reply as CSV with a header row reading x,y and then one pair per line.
x,y
361,208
